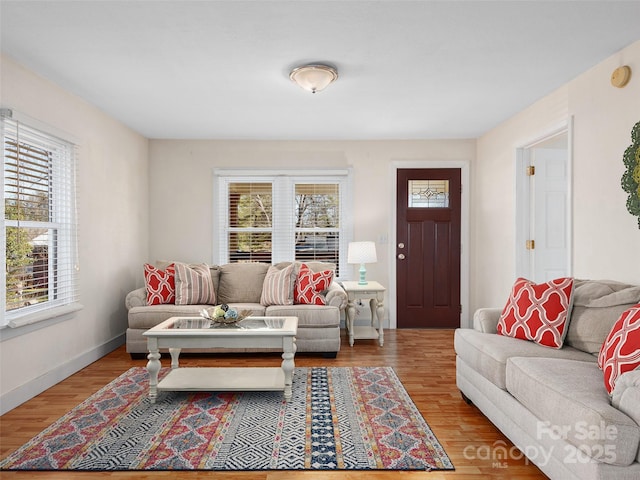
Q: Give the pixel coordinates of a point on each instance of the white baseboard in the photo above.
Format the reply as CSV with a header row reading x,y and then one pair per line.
x,y
18,396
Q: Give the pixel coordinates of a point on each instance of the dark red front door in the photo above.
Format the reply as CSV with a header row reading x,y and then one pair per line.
x,y
428,248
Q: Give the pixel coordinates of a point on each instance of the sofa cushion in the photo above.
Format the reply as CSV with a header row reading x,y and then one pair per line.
x,y
160,284
621,350
310,285
538,312
597,304
241,282
194,285
254,309
488,353
150,316
309,316
277,288
571,400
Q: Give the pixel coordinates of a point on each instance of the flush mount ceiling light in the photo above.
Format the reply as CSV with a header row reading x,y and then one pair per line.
x,y
313,78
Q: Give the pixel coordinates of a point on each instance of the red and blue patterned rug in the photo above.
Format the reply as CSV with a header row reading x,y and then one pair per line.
x,y
340,418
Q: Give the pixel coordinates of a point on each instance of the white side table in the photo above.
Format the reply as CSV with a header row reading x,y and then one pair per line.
x,y
374,292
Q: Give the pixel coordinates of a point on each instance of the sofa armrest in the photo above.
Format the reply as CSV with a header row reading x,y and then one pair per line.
x,y
486,320
137,298
336,296
626,394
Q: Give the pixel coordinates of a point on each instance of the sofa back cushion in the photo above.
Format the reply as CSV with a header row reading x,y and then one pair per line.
x,y
241,282
597,304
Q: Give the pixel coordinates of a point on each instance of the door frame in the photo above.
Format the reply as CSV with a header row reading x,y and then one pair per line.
x,y
523,197
464,166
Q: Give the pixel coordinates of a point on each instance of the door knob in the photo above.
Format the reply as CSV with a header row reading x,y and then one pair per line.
x,y
401,245
401,256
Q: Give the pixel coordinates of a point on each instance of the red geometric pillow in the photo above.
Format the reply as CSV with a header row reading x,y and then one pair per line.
x,y
620,352
161,284
538,312
310,285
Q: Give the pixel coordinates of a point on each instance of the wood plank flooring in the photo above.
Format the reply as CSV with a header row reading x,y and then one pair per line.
x,y
423,359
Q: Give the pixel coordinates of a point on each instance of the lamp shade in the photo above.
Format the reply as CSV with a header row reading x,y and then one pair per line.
x,y
362,252
313,78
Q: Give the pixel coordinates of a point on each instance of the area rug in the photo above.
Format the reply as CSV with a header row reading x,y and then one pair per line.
x,y
340,418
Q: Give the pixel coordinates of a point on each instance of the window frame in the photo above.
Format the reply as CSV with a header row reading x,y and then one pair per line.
x,y
62,224
283,225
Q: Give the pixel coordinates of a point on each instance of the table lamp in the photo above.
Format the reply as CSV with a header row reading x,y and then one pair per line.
x,y
362,252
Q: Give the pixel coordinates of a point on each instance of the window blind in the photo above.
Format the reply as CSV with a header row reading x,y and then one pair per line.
x,y
317,218
250,224
40,222
276,216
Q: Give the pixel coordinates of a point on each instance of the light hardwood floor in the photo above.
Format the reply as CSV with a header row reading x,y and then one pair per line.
x,y
423,359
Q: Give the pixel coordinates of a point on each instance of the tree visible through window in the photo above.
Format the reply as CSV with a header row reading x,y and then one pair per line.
x,y
250,222
27,172
317,222
39,220
282,218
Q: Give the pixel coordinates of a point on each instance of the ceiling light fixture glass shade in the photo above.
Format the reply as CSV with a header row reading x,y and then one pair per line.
x,y
314,78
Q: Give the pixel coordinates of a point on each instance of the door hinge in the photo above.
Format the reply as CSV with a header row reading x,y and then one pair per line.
x,y
531,170
531,244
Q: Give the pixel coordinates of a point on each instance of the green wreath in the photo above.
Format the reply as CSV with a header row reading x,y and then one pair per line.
x,y
631,177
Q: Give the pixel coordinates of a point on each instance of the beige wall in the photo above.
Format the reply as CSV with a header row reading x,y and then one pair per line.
x,y
181,186
606,237
113,218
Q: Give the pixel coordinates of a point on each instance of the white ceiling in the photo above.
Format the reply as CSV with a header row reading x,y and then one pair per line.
x,y
408,69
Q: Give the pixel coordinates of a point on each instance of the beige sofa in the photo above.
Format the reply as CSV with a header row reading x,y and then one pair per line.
x,y
240,286
552,403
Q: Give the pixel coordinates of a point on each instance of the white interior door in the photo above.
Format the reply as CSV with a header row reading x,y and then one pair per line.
x,y
550,214
544,209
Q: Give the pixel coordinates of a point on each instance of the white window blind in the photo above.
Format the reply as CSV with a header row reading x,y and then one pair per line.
x,y
250,221
317,222
40,234
281,217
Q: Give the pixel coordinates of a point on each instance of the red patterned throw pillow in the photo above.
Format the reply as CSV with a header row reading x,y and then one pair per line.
x,y
160,284
538,312
310,285
620,352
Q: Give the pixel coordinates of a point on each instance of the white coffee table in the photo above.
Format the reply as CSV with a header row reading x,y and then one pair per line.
x,y
194,332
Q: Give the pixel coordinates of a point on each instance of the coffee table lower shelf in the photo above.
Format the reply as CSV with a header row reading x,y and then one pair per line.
x,y
224,379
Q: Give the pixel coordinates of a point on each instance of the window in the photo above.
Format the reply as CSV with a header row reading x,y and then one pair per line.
x,y
39,224
250,223
276,217
428,194
317,222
